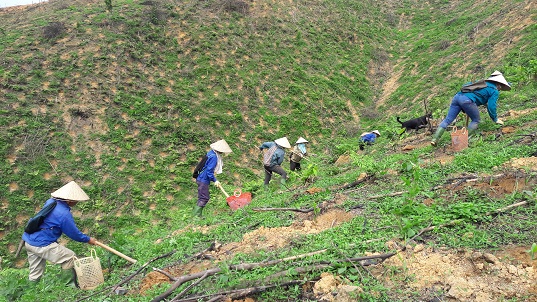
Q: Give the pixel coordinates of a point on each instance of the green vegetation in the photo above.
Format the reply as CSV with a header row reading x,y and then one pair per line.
x,y
125,99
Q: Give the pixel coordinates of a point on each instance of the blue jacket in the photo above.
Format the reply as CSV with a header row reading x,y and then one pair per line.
x,y
207,175
277,157
486,96
368,138
59,221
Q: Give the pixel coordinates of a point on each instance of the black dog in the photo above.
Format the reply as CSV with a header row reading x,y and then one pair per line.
x,y
416,123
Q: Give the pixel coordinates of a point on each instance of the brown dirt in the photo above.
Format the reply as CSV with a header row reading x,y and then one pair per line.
x,y
263,238
495,186
517,113
525,163
464,275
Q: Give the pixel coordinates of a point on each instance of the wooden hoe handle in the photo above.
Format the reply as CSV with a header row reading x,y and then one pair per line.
x,y
223,191
106,247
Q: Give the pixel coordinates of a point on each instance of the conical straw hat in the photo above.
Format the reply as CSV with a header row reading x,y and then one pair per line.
x,y
283,142
376,132
495,73
221,146
70,191
301,140
498,78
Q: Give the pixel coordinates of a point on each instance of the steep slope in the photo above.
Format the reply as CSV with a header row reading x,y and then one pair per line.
x,y
125,101
128,100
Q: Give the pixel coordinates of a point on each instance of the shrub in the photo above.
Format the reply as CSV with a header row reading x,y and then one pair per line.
x,y
236,6
53,30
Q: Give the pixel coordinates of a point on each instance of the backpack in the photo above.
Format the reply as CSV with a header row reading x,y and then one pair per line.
x,y
267,157
33,224
200,166
474,86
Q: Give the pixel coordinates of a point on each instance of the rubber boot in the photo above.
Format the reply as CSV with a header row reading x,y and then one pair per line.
x,y
437,135
197,211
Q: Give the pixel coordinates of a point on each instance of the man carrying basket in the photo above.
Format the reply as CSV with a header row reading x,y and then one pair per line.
x,y
42,245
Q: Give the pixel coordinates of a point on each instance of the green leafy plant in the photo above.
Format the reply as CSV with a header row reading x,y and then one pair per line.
x,y
13,288
309,173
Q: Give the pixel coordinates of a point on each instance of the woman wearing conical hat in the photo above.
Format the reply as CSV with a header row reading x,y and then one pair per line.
x,y
298,152
213,165
468,102
42,245
273,158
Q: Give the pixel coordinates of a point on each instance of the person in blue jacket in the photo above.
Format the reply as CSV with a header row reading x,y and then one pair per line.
x,y
212,166
368,138
42,245
273,158
468,102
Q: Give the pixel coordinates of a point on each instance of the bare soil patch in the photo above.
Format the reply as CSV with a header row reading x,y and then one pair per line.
x,y
263,238
524,163
462,275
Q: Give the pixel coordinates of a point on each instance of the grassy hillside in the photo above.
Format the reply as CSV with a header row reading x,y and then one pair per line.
x,y
125,101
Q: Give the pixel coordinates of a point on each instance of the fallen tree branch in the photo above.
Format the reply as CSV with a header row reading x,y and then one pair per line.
x,y
189,287
387,195
380,256
283,209
238,293
19,248
217,298
327,264
355,183
165,273
342,254
302,192
258,289
297,270
500,210
470,178
238,267
456,221
359,263
524,136
214,246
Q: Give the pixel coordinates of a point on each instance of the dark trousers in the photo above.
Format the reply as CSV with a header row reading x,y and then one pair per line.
x,y
203,193
294,166
276,168
362,144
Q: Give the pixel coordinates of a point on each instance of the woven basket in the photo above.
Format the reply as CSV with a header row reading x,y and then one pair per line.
x,y
88,271
459,139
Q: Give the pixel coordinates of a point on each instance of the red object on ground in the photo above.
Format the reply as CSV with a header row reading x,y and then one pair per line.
x,y
239,199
